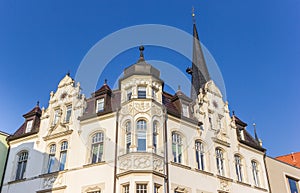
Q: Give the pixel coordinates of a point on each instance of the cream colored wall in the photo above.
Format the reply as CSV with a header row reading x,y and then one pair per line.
x,y
278,172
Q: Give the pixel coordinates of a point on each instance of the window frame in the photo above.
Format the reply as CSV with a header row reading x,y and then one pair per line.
x,y
63,155
255,173
141,187
97,142
56,117
238,167
68,113
51,158
22,157
220,161
155,135
29,126
199,153
141,135
177,147
142,92
100,105
296,181
128,136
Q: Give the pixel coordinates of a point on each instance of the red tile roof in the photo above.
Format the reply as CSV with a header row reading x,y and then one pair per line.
x,y
292,159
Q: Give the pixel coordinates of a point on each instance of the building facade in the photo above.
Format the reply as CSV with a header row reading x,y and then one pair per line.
x,y
283,177
3,154
137,138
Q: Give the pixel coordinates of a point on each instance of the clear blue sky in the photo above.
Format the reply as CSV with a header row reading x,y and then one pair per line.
x,y
256,44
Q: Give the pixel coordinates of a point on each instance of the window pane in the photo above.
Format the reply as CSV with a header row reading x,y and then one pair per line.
x,y
141,92
68,113
293,185
199,155
100,105
62,160
51,163
21,167
29,126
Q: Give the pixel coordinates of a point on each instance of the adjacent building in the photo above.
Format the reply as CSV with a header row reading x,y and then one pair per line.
x,y
283,177
3,154
292,159
137,138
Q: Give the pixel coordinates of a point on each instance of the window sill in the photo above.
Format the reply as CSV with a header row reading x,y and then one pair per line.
x,y
53,173
94,164
243,183
180,165
224,178
204,172
17,181
259,188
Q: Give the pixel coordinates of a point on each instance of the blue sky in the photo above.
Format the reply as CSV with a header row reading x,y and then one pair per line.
x,y
255,43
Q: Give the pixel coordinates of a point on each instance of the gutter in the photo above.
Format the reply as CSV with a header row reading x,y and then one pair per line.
x,y
116,152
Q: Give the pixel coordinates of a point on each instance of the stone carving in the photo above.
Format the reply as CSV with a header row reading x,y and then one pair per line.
x,y
52,181
127,109
141,162
142,107
224,185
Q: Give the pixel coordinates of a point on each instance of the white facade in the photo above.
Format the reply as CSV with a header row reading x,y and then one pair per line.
x,y
156,142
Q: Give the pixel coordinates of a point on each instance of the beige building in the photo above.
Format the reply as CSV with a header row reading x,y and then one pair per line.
x,y
283,178
137,138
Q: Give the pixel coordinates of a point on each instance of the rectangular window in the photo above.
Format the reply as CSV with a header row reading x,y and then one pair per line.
x,y
141,92
126,188
56,116
255,173
68,113
63,155
29,126
141,188
100,105
293,184
199,155
128,94
157,188
185,110
21,167
51,163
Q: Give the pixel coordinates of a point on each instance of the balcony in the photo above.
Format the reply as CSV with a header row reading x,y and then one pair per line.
x,y
141,161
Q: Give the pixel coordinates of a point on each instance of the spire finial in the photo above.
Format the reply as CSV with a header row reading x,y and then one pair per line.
x,y
255,134
68,73
38,103
141,48
179,88
105,81
193,14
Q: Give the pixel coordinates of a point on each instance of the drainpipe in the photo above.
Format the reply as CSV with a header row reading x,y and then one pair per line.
x,y
166,151
116,151
267,173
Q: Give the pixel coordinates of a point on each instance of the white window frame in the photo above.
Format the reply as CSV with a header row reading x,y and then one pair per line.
x,y
68,113
29,126
98,145
177,147
141,188
51,158
21,165
199,150
100,105
56,116
141,133
255,173
63,155
128,136
185,110
238,167
220,161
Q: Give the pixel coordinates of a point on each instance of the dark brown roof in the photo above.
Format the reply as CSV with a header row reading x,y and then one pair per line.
x,y
248,139
34,115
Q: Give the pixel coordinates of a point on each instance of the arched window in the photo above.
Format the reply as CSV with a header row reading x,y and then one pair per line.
x,y
220,161
141,128
177,147
199,155
63,155
51,160
128,136
22,162
255,172
238,167
154,135
97,147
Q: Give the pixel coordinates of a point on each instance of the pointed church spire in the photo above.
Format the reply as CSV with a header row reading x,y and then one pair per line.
x,y
255,134
199,69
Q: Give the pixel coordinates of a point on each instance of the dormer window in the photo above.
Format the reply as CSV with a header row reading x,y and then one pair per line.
x,y
100,105
185,110
68,113
29,126
141,92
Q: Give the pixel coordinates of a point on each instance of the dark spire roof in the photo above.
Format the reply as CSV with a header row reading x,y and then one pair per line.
x,y
105,89
199,69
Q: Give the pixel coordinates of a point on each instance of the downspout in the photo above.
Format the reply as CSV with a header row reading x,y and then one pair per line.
x,y
5,165
267,173
166,151
116,151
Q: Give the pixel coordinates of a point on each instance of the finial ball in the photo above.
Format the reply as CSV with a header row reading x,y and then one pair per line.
x,y
141,48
